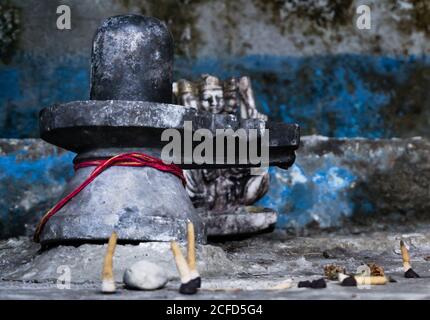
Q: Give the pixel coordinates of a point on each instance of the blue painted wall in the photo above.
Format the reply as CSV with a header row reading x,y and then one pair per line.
x,y
319,194
32,82
338,96
32,177
334,95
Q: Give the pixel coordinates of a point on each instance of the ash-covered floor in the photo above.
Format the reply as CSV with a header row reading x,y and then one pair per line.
x,y
243,269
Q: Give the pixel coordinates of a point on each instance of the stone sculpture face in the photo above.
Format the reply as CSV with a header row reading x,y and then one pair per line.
x,y
189,100
211,95
186,94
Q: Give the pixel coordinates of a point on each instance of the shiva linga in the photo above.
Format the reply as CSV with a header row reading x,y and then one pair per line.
x,y
120,182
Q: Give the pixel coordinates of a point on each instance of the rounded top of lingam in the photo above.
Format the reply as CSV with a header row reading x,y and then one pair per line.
x,y
132,59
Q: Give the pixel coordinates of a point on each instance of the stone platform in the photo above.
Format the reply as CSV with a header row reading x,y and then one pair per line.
x,y
243,269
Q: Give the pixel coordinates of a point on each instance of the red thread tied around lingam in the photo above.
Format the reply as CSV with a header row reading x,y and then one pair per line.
x,y
134,159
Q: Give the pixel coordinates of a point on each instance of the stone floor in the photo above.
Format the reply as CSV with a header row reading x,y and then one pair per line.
x,y
242,269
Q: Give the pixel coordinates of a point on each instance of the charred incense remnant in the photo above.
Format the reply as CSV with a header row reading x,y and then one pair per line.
x,y
347,281
108,281
372,280
409,272
187,285
331,271
315,284
191,255
376,270
353,281
283,285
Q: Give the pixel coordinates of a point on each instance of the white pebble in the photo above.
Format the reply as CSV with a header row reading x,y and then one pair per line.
x,y
145,275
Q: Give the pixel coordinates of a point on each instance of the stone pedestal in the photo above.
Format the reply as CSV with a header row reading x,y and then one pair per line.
x,y
138,203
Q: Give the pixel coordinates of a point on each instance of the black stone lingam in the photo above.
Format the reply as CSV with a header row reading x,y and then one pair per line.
x,y
131,91
132,59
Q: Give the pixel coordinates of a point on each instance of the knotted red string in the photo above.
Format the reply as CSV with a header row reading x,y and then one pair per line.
x,y
134,159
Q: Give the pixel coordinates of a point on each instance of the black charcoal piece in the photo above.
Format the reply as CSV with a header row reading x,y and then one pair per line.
x,y
314,284
349,282
411,274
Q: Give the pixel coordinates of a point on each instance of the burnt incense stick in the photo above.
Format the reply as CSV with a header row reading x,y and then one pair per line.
x,y
314,284
409,272
405,256
282,286
346,281
353,281
187,285
372,280
108,281
191,255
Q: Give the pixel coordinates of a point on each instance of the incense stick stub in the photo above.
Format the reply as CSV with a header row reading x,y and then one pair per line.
x,y
371,280
108,281
405,256
283,285
191,255
187,285
357,280
181,263
409,272
191,246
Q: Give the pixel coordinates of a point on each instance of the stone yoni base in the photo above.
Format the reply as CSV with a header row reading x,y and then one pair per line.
x,y
240,221
140,204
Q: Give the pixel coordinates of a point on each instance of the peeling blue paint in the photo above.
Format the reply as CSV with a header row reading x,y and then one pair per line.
x,y
303,196
46,170
30,183
32,82
335,95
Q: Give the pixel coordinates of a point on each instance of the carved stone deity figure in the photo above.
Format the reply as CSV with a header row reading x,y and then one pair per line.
x,y
211,94
248,110
186,94
223,191
231,97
